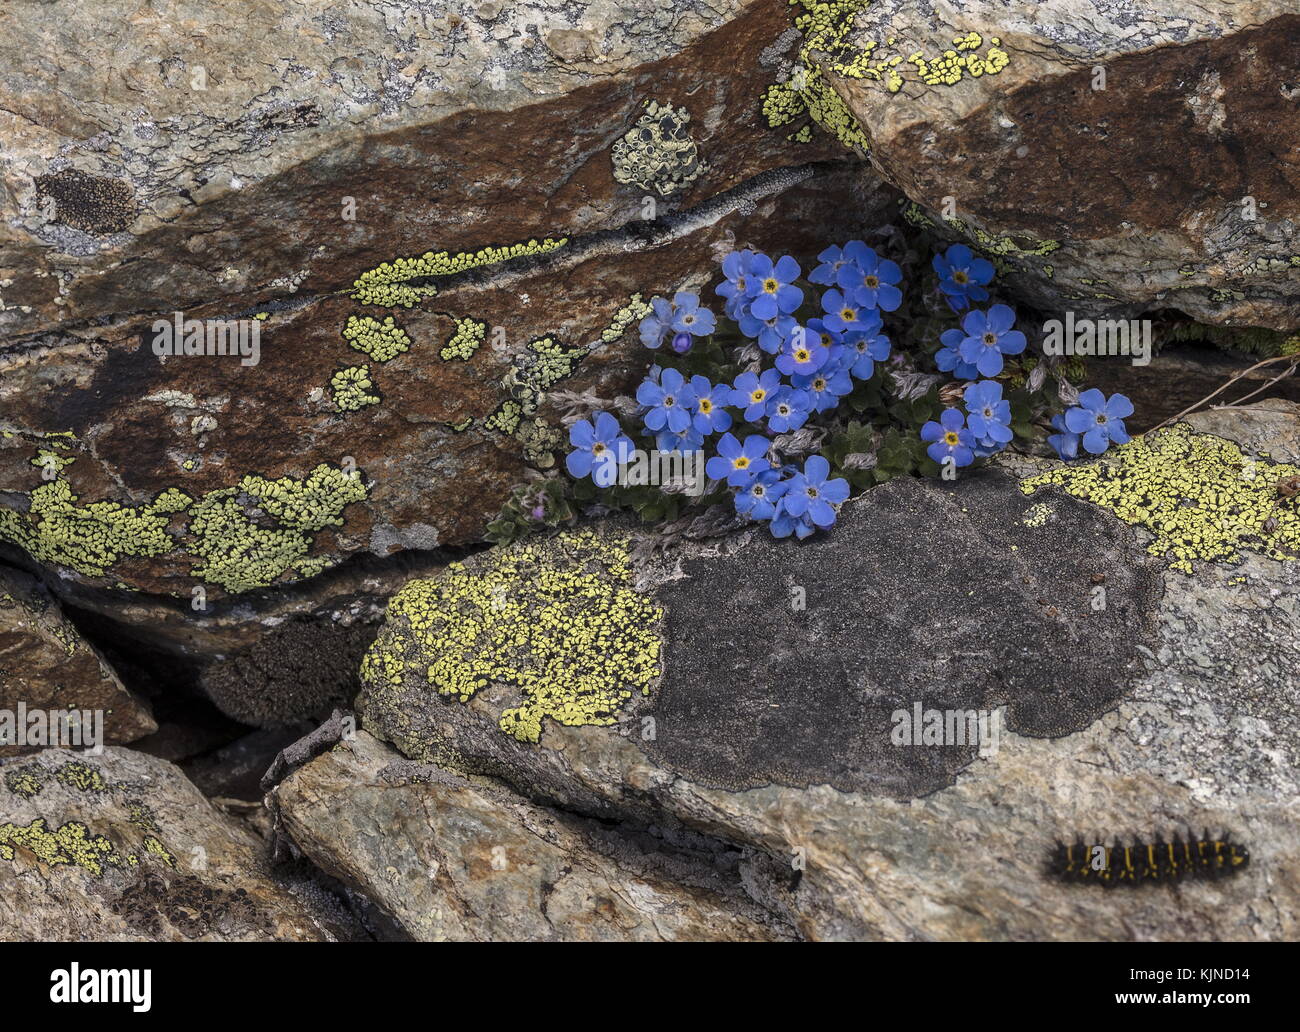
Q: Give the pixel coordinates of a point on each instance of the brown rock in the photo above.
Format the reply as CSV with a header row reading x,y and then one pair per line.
x,y
1133,156
45,664
121,847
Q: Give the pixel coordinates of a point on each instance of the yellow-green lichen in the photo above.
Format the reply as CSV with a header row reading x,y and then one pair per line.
x,y
506,418
1036,515
543,364
470,333
1200,496
634,311
657,153
828,27
558,620
380,340
390,284
90,538
239,550
70,843
154,847
350,388
81,776
25,781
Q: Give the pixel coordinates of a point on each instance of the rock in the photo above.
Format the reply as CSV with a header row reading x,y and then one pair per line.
x,y
1121,696
1181,377
450,858
298,671
121,847
1117,157
243,160
524,181
46,665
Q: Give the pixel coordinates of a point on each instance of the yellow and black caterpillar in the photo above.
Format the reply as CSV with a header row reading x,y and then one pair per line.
x,y
1144,862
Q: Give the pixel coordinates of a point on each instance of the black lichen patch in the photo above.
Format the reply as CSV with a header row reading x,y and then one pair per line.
x,y
296,672
924,592
155,906
90,203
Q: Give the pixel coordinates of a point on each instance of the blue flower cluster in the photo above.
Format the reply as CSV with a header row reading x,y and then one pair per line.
x,y
1096,422
817,357
977,350
983,430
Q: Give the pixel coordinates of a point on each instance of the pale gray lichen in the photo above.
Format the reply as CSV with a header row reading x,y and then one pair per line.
x,y
657,153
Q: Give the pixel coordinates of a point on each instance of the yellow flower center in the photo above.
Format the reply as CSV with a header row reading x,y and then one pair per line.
x,y
706,406
802,355
757,395
741,462
960,276
951,439
872,282
848,314
770,286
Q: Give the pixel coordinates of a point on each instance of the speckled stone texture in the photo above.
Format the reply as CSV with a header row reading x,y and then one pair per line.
x,y
1173,186
121,847
455,859
46,664
1174,707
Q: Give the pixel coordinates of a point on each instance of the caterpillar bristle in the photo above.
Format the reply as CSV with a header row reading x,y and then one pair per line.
x,y
1092,862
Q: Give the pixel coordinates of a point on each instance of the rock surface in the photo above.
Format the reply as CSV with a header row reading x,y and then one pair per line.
x,y
450,858
121,847
541,171
45,664
1116,156
1171,706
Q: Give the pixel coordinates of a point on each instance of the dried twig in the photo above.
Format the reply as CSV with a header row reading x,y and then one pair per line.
x,y
1293,359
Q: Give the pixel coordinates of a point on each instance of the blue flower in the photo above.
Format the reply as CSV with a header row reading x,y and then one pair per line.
x,y
758,499
810,493
866,348
1099,420
670,401
948,357
738,463
951,439
827,385
989,336
688,440
787,409
801,353
962,276
988,416
844,314
751,392
827,338
771,333
689,317
739,287
833,259
710,414
774,292
784,524
658,324
1065,443
598,450
869,279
